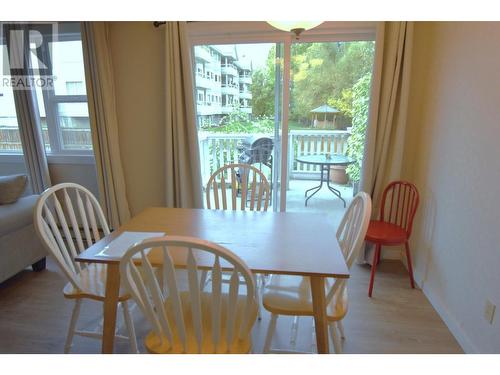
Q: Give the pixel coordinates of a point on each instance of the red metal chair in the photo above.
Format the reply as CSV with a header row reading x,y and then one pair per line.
x,y
399,204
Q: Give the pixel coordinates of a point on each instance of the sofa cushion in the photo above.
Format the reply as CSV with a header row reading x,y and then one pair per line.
x,y
11,188
17,215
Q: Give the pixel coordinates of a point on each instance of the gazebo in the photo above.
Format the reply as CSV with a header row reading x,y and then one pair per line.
x,y
324,116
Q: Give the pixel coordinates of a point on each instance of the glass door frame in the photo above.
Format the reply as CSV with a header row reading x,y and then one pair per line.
x,y
217,32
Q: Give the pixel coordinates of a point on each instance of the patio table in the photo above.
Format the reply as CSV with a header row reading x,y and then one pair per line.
x,y
325,161
285,243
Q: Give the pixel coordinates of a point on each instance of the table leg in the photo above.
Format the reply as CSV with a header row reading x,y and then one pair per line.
x,y
319,309
332,189
318,188
110,307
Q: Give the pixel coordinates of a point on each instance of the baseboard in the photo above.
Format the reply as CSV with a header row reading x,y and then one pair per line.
x,y
388,252
454,327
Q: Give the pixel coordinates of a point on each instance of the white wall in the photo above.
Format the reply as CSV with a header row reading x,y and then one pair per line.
x,y
453,157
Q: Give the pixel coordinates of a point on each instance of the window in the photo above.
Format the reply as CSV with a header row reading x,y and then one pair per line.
x,y
200,97
62,107
10,141
75,88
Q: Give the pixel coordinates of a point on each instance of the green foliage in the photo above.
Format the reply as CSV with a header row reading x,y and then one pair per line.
x,y
240,122
320,73
262,93
343,103
262,87
325,73
356,142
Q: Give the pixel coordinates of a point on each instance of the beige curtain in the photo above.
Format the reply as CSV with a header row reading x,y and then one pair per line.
x,y
387,123
103,121
28,116
183,185
385,134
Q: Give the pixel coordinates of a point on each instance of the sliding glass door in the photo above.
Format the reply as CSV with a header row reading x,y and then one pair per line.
x,y
308,97
238,91
329,97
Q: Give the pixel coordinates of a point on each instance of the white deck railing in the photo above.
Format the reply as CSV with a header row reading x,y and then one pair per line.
x,y
218,149
71,138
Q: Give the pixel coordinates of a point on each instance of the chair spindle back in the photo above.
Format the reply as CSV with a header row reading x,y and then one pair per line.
x,y
154,290
68,219
399,204
351,234
244,178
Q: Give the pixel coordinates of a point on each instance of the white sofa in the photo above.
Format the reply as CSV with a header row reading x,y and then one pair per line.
x,y
19,244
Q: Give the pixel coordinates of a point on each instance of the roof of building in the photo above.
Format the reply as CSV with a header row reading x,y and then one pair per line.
x,y
244,64
325,109
228,50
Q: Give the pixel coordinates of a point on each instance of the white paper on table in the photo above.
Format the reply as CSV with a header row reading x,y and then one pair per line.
x,y
124,241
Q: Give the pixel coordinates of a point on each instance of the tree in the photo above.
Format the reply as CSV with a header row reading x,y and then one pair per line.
x,y
325,73
263,87
356,142
262,93
321,73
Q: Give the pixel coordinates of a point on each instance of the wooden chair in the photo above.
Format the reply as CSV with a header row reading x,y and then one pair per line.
x,y
291,295
243,179
253,187
189,320
68,219
397,210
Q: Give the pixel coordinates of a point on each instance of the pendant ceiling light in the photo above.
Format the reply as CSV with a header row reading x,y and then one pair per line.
x,y
295,27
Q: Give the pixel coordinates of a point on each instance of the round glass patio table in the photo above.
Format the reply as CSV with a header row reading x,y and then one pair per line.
x,y
324,161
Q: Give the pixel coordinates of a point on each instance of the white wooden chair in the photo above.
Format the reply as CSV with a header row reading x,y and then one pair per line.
x,y
291,295
253,187
68,218
184,318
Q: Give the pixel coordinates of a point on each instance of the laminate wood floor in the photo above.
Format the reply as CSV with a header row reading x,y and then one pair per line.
x,y
34,317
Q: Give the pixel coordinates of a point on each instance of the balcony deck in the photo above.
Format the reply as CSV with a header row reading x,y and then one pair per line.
x,y
323,202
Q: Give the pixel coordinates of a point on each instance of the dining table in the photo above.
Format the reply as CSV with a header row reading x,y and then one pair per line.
x,y
302,244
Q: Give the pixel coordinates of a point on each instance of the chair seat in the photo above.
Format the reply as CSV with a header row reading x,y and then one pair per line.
x,y
93,284
155,345
385,233
291,295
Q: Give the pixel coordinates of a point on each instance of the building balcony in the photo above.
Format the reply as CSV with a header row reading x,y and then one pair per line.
x,y
202,54
207,108
229,89
226,109
229,69
203,82
245,95
246,79
246,110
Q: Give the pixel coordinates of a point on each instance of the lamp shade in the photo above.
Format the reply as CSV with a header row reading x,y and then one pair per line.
x,y
293,25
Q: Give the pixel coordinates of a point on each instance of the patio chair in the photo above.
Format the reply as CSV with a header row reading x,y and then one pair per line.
x,y
184,318
68,219
397,210
291,295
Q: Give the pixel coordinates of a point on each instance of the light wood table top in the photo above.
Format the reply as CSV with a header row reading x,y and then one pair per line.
x,y
269,242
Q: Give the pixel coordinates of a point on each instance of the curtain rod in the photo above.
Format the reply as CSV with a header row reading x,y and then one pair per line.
x,y
159,23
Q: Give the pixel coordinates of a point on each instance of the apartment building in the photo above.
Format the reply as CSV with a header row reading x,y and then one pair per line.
x,y
222,82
